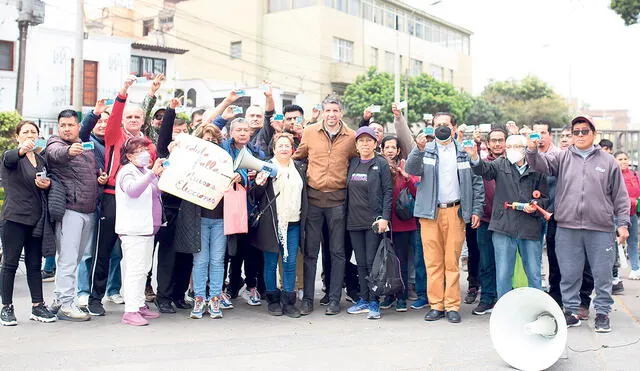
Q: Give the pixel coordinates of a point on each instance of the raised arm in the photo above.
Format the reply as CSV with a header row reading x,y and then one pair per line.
x,y
166,129
402,130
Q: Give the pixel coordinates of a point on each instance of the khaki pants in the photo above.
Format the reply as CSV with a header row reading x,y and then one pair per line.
x,y
442,240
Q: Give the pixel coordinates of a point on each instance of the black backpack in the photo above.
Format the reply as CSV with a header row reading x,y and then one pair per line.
x,y
405,204
385,277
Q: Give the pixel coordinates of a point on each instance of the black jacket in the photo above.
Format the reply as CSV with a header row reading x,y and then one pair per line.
x,y
513,187
187,235
265,236
380,184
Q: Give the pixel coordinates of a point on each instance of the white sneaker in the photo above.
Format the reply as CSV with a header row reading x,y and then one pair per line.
x,y
116,299
83,301
634,275
72,313
252,296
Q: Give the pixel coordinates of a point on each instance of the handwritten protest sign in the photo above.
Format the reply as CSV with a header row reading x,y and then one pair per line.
x,y
198,171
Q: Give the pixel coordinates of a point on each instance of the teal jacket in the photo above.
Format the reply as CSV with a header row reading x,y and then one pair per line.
x,y
425,165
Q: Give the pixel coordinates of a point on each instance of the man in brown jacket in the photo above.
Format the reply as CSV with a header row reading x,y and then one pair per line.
x,y
327,146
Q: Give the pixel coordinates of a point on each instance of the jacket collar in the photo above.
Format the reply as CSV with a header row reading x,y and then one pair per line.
x,y
342,131
596,149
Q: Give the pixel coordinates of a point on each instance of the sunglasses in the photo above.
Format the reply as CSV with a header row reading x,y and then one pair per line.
x,y
158,117
584,132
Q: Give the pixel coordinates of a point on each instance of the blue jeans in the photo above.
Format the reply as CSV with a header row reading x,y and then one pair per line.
x,y
49,264
114,283
505,254
632,243
288,267
421,270
208,264
487,271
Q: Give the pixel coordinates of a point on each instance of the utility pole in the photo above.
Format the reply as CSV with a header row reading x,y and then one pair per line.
x,y
30,12
396,85
78,62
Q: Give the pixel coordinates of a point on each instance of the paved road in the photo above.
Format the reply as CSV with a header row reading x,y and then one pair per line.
x,y
250,339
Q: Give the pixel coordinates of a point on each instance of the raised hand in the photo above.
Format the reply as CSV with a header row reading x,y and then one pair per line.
x,y
396,112
75,149
100,107
155,85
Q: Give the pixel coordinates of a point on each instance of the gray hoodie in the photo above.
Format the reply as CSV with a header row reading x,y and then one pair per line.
x,y
590,191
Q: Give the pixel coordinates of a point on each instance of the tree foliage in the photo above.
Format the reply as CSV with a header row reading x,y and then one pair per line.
x,y
483,112
628,10
8,122
426,95
527,100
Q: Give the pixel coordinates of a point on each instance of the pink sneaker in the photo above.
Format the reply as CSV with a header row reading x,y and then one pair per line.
x,y
147,313
134,319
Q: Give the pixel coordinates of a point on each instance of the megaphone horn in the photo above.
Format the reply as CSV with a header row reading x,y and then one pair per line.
x,y
245,160
528,329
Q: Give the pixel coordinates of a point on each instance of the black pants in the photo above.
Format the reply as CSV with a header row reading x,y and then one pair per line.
x,y
365,245
174,268
335,218
253,260
402,243
554,270
473,262
15,236
107,239
350,269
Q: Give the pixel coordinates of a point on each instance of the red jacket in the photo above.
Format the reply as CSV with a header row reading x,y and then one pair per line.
x,y
114,138
632,181
401,182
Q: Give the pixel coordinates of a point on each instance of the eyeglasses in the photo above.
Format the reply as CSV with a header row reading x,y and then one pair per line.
x,y
583,132
514,147
496,141
158,117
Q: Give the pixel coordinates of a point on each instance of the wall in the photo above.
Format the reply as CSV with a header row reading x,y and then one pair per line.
x,y
9,32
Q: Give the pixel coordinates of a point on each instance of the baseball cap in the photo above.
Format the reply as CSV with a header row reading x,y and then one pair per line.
x,y
365,130
584,118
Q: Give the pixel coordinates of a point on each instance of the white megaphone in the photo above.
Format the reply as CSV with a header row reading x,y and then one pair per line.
x,y
528,329
245,160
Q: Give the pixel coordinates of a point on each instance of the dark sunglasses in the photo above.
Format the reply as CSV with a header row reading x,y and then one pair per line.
x,y
584,132
158,117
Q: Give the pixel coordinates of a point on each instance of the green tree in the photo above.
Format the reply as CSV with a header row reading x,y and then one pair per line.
x,y
8,122
527,100
628,10
426,95
483,112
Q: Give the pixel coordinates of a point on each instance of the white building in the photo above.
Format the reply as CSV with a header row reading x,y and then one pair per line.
x,y
108,60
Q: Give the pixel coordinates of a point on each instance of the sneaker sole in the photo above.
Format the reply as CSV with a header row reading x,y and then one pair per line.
x,y
48,279
42,319
420,307
478,313
96,314
603,330
229,307
575,324
196,316
386,306
215,316
253,304
359,311
373,317
401,309
115,301
324,304
9,323
71,319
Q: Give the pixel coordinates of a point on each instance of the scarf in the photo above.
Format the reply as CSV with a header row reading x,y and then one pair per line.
x,y
288,185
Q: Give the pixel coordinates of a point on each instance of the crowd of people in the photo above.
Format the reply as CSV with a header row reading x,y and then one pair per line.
x,y
88,201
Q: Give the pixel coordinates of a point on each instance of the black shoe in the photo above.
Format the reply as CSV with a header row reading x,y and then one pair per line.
x,y
434,315
325,300
164,306
602,323
7,316
472,295
40,313
289,304
95,308
617,289
483,308
306,307
181,304
48,276
333,308
275,305
453,316
352,296
572,319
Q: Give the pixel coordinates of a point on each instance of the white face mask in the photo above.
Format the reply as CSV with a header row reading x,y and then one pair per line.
x,y
514,155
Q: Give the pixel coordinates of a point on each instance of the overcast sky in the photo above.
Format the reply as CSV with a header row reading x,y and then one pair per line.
x,y
581,47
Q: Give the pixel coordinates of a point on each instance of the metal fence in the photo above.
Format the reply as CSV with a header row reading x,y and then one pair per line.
x,y
623,140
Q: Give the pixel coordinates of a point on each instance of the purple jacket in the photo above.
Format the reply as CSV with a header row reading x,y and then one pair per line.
x,y
590,191
78,174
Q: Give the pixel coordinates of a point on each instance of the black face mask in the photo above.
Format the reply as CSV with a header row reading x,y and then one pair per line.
x,y
443,133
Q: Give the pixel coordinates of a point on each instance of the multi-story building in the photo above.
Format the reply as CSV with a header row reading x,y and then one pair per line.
x,y
307,48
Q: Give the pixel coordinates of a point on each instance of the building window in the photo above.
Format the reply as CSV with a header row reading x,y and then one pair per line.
x,y
465,45
236,50
451,76
341,5
166,22
302,3
342,50
89,82
389,62
6,55
390,18
416,67
147,66
437,72
191,98
279,5
147,27
354,8
374,57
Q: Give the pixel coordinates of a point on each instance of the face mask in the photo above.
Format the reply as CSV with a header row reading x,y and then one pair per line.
x,y
443,133
514,155
143,159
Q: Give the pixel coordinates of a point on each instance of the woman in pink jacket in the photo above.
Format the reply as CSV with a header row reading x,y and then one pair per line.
x,y
632,181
